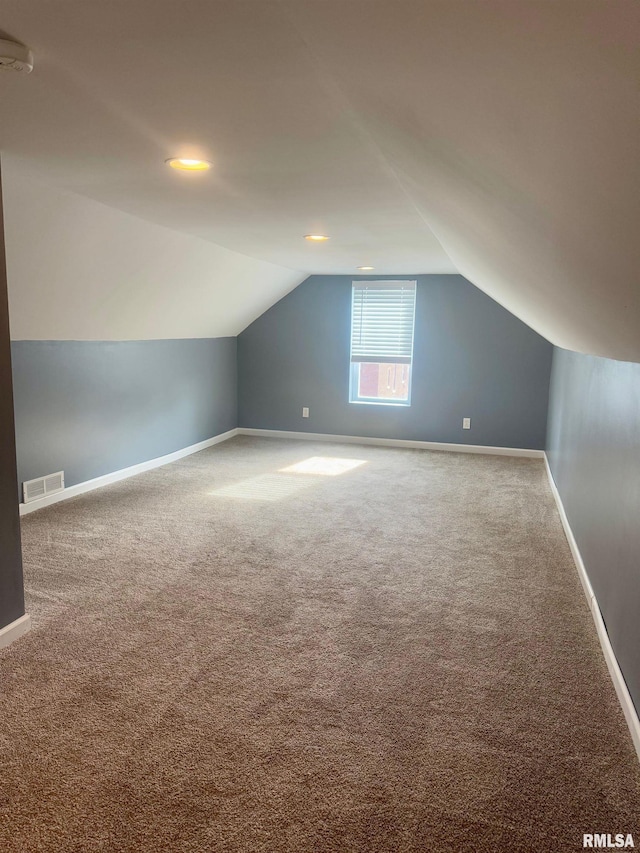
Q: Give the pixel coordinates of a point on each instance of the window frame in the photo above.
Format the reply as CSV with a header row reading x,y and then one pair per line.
x,y
354,366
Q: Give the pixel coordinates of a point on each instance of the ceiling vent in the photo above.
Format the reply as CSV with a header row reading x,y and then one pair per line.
x,y
33,490
15,57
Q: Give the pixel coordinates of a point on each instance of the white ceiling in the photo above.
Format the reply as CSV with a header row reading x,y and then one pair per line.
x,y
497,138
79,270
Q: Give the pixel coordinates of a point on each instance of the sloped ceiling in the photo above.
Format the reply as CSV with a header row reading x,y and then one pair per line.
x,y
499,138
79,270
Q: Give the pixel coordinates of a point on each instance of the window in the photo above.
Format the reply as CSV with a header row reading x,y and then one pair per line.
x,y
382,320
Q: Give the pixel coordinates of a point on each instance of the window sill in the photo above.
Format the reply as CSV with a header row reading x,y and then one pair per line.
x,y
380,403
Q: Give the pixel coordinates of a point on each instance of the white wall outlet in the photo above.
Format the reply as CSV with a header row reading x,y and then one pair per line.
x,y
305,412
466,423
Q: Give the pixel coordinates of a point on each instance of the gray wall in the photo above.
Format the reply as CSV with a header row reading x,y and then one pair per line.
x,y
471,358
92,407
594,454
11,588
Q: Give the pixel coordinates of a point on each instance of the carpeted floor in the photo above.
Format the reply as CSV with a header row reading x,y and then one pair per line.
x,y
387,656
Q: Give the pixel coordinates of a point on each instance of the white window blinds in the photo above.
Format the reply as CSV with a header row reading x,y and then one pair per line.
x,y
382,319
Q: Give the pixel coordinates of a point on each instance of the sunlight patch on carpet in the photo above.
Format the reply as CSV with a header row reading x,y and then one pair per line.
x,y
266,487
326,466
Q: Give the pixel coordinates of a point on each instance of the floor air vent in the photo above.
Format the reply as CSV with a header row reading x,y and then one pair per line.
x,y
32,490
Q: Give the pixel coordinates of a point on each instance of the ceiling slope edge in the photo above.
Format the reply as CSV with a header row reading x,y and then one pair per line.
x,y
80,270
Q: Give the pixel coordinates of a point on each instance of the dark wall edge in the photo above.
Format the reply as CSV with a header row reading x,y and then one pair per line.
x,y
11,580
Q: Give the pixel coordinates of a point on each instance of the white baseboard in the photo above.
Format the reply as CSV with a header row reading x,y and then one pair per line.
x,y
394,442
124,473
624,697
14,630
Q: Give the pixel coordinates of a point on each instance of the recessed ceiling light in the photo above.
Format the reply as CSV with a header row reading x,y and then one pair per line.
x,y
187,165
366,268
315,238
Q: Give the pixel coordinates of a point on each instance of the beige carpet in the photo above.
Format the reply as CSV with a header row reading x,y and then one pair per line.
x,y
387,656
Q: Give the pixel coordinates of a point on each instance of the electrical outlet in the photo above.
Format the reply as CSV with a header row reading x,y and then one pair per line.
x,y
466,423
305,412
